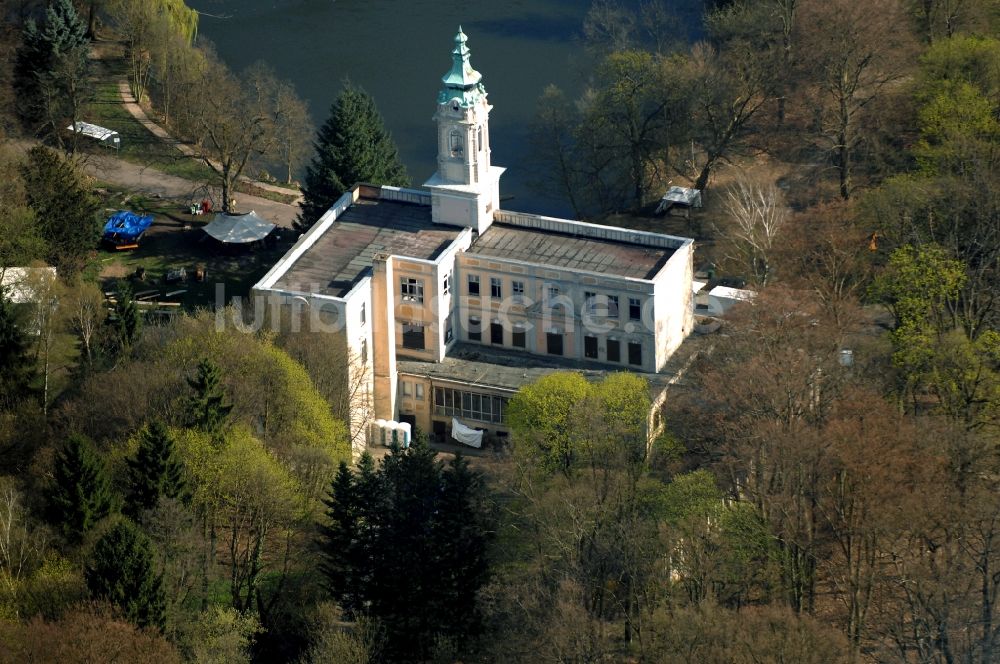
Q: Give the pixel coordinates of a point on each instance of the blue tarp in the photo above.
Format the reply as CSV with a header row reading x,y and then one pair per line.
x,y
125,227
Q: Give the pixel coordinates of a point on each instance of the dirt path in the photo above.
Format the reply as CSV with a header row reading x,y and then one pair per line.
x,y
148,180
137,112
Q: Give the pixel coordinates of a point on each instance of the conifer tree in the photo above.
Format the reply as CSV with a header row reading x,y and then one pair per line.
x,y
64,207
206,408
121,571
155,472
128,318
406,544
352,146
16,366
407,593
460,554
81,493
340,535
52,58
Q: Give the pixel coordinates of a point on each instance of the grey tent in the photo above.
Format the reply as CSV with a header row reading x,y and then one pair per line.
x,y
239,228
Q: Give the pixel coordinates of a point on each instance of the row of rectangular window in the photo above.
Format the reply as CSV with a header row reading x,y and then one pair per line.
x,y
412,290
471,405
552,292
496,286
554,342
414,339
609,306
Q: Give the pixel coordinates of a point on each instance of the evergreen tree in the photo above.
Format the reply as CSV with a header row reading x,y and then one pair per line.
x,y
155,472
64,207
81,493
406,545
408,591
341,539
352,146
462,535
49,66
121,571
206,408
128,318
16,366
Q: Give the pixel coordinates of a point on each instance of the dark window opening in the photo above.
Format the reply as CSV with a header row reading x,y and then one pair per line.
x,y
554,343
518,338
496,334
614,351
634,308
590,347
635,354
473,284
475,329
413,336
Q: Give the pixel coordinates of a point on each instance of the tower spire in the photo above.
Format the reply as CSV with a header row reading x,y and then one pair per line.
x,y
461,82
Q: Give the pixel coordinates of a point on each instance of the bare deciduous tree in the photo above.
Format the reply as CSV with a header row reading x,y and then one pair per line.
x,y
20,546
232,121
86,311
728,88
294,128
758,214
856,51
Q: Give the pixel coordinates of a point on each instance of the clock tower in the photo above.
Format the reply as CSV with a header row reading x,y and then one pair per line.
x,y
465,191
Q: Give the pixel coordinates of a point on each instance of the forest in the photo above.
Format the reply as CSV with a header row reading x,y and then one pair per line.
x,y
827,486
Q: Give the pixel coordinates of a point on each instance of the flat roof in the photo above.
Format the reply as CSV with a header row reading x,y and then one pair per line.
x,y
498,368
342,255
576,252
733,293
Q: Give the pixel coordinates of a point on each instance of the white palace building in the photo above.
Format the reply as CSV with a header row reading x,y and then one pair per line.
x,y
448,303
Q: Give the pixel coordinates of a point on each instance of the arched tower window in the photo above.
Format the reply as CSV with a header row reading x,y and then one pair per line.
x,y
455,145
480,138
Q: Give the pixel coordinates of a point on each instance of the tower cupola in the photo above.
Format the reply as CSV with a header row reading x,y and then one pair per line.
x,y
461,82
465,190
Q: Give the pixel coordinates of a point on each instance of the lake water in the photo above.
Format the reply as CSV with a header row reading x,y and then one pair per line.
x,y
398,51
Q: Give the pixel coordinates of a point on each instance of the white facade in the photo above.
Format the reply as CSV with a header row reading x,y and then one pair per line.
x,y
411,274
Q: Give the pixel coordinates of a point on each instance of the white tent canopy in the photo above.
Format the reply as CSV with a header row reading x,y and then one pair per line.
x,y
239,228
464,434
102,134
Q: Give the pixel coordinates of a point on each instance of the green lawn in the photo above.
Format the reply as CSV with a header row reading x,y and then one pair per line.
x,y
139,145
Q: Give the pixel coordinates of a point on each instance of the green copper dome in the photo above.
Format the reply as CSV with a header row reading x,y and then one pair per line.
x,y
462,82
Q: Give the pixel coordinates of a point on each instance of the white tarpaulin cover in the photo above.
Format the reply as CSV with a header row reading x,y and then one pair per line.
x,y
239,228
467,435
93,131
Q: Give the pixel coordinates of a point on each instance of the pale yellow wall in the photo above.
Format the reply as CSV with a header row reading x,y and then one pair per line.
x,y
410,405
417,312
384,286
